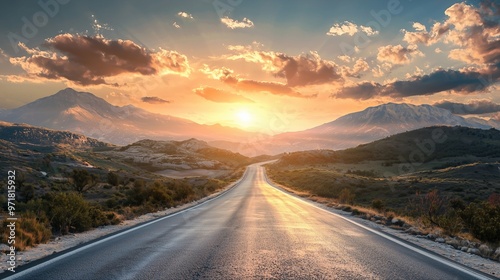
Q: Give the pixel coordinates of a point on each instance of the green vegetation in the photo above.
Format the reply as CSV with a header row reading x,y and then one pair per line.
x,y
454,185
78,183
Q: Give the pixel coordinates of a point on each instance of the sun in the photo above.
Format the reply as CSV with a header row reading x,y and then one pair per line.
x,y
244,118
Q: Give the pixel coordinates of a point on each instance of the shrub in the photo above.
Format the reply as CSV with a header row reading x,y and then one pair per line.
x,y
113,179
69,211
30,231
482,220
378,205
153,196
82,180
346,196
451,222
181,191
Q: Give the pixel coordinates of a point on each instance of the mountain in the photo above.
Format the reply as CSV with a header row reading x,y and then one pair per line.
x,y
87,114
368,125
407,148
30,135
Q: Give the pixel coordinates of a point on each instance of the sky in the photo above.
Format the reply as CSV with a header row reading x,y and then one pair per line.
x,y
242,63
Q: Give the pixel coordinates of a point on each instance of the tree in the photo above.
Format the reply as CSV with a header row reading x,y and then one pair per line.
x,y
83,180
113,179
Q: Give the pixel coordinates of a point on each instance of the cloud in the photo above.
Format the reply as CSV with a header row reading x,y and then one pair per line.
x,y
185,15
419,27
350,29
474,30
154,100
398,54
344,58
496,117
359,67
220,96
226,76
3,56
476,107
87,60
233,24
176,25
463,82
300,70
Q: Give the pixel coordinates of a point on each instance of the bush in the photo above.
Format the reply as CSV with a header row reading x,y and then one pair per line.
x,y
451,222
82,180
69,211
378,205
181,191
113,179
346,196
30,231
482,220
153,196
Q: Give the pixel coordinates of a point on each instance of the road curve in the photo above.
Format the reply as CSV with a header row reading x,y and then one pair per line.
x,y
254,231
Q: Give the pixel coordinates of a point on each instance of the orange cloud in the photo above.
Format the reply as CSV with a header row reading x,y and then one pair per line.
x,y
398,54
300,70
220,96
87,60
226,76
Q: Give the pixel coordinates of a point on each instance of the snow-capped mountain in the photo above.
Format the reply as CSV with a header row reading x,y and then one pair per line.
x,y
368,125
85,113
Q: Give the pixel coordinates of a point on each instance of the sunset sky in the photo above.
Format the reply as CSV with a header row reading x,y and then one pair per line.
x,y
239,62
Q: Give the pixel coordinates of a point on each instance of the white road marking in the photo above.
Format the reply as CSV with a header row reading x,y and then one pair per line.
x,y
51,261
414,249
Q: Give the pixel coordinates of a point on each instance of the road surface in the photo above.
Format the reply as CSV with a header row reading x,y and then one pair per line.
x,y
253,231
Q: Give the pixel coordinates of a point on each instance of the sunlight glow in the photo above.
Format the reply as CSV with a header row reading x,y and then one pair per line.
x,y
244,118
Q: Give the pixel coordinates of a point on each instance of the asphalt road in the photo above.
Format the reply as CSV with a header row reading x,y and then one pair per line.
x,y
254,231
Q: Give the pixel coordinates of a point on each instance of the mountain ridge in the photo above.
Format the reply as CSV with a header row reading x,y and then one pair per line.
x,y
87,114
368,125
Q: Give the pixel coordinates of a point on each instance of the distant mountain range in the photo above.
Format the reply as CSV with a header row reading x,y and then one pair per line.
x,y
462,143
368,125
87,114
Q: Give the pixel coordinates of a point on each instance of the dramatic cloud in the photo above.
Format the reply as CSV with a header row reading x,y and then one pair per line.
x,y
89,60
475,107
350,29
226,76
220,96
301,70
233,24
474,30
398,54
464,82
154,100
185,15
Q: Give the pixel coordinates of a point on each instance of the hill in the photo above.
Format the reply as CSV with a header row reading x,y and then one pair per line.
x,y
420,145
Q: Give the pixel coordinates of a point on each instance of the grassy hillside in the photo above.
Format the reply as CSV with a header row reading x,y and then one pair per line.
x,y
422,145
66,182
456,166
